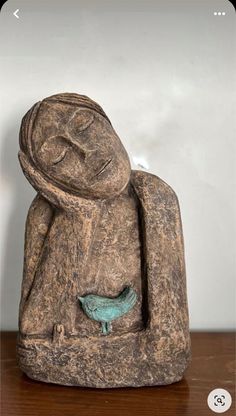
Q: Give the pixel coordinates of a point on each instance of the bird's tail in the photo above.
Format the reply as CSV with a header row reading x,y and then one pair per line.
x,y
127,299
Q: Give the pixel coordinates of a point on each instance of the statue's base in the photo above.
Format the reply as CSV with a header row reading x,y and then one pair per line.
x,y
130,360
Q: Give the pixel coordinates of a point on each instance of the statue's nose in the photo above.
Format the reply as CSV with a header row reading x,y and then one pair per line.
x,y
79,148
90,156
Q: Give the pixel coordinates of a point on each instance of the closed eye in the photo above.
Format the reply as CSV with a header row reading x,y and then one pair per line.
x,y
60,157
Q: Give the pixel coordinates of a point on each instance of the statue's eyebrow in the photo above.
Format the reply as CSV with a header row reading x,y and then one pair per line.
x,y
85,125
56,136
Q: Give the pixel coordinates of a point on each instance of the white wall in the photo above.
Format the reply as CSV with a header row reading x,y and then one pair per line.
x,y
163,72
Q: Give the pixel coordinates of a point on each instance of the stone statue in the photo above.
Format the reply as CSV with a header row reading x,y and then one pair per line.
x,y
103,300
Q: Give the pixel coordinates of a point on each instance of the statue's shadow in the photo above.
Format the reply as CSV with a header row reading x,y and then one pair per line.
x,y
16,198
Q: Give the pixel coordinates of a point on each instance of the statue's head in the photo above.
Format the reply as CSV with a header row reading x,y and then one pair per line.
x,y
70,140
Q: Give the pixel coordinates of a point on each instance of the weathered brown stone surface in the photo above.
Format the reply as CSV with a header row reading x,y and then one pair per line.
x,y
96,227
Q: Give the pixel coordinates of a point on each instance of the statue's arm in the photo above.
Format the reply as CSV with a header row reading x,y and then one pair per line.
x,y
38,222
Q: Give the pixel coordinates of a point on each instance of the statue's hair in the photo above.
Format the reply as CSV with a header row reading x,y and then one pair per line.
x,y
73,99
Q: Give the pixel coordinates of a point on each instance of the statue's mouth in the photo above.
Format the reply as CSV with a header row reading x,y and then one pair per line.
x,y
103,168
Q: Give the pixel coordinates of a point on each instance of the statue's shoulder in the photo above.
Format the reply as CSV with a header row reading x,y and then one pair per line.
x,y
152,186
39,203
40,210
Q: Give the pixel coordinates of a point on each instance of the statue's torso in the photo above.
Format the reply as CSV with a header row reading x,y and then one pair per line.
x,y
98,255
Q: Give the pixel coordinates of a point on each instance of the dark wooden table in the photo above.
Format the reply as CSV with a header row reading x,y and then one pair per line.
x,y
213,366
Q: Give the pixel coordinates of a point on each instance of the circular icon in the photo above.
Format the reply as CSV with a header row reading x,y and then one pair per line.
x,y
219,400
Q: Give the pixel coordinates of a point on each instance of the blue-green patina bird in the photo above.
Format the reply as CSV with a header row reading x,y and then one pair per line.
x,y
105,310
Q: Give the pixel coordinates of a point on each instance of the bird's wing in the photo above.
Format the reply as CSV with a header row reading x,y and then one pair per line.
x,y
106,309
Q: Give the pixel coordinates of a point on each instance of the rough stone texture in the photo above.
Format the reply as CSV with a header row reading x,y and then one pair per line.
x,y
96,227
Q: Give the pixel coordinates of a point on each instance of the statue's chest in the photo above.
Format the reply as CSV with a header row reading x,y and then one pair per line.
x,y
101,253
114,255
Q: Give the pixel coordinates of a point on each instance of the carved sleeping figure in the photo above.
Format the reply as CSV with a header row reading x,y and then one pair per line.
x,y
104,258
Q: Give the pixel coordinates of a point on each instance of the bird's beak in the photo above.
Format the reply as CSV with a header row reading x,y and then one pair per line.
x,y
81,299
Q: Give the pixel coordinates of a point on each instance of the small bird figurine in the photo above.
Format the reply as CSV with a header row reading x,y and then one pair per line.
x,y
105,310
